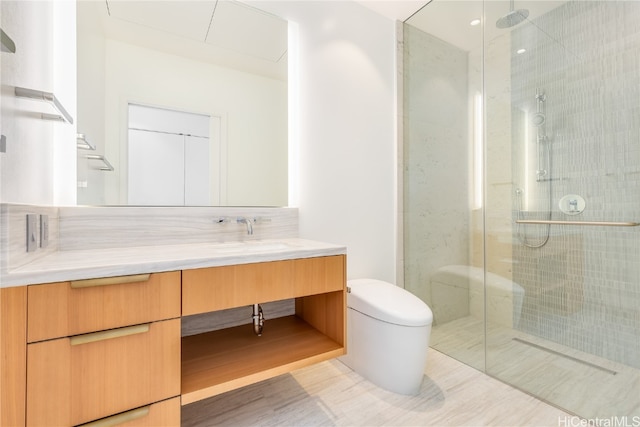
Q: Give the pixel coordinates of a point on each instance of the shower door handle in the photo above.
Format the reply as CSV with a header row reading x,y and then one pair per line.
x,y
597,223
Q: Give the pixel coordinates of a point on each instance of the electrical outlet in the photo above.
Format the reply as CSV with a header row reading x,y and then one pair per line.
x,y
44,231
32,232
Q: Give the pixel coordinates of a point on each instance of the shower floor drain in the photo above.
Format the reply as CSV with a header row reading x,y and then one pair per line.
x,y
575,359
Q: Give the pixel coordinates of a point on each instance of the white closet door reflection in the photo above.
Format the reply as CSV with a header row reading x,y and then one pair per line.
x,y
156,168
170,157
197,188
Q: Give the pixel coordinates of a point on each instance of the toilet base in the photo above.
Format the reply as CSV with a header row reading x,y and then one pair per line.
x,y
391,356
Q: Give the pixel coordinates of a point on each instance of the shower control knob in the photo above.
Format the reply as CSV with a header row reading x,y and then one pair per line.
x,y
572,204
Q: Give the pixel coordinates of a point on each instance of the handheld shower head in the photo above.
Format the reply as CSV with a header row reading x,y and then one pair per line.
x,y
513,18
539,117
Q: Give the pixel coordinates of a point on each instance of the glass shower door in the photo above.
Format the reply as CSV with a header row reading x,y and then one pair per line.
x,y
562,104
521,200
443,174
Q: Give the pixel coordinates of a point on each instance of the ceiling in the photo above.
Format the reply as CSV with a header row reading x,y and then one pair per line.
x,y
236,35
449,20
397,10
223,32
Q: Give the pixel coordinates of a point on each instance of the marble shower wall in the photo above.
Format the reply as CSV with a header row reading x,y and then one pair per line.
x,y
435,160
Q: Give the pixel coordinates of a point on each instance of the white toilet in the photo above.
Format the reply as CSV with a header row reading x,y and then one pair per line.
x,y
388,331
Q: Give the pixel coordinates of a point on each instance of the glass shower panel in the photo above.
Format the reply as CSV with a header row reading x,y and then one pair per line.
x,y
443,173
562,104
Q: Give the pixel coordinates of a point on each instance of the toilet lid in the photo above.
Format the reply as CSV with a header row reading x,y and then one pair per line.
x,y
387,302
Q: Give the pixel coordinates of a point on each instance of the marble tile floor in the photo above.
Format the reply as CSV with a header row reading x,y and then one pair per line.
x,y
584,384
330,394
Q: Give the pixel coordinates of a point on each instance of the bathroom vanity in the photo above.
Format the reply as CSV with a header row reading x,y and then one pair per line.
x,y
109,348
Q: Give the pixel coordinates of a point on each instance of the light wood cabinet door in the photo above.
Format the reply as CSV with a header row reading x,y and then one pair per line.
x,y
218,288
86,377
70,308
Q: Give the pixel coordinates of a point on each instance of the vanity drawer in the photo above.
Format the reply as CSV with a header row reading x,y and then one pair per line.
x,y
161,414
75,380
70,308
218,288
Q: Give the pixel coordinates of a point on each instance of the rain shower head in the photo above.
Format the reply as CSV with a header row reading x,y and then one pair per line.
x,y
513,18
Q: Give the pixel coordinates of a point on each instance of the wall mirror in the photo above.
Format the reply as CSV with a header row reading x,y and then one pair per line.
x,y
215,59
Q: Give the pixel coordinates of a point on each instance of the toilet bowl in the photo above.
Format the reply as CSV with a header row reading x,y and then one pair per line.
x,y
388,331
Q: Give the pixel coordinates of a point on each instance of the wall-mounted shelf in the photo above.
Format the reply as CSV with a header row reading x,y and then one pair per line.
x,y
46,97
83,143
107,166
7,44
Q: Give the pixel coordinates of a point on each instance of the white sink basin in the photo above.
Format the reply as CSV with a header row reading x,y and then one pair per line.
x,y
249,246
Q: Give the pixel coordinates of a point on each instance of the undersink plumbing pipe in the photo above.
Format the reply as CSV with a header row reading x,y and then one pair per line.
x,y
258,319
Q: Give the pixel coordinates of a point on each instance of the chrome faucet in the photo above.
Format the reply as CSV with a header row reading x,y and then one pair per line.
x,y
248,222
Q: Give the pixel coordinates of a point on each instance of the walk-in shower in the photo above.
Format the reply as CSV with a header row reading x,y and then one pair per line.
x,y
521,166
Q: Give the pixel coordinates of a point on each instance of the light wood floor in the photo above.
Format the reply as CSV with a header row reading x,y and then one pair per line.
x,y
330,394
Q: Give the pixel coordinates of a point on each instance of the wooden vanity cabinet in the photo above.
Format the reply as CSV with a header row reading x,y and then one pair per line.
x,y
110,350
223,360
101,348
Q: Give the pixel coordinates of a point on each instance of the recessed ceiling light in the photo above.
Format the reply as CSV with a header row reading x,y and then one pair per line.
x,y
521,51
474,22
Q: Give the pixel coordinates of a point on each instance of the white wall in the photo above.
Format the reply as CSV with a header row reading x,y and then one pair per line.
x,y
346,130
64,86
40,154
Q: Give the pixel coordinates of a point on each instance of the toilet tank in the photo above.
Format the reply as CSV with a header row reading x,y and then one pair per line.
x,y
388,303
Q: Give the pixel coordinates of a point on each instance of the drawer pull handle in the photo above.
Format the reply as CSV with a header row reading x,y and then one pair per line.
x,y
110,334
119,418
77,284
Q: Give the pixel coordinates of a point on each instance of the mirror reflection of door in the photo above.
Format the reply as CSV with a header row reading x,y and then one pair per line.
x,y
169,157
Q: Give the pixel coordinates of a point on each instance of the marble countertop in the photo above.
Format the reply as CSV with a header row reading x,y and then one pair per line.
x,y
87,264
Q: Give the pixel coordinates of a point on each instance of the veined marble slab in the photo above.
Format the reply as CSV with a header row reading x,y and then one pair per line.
x,y
89,228
13,234
88,242
85,264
